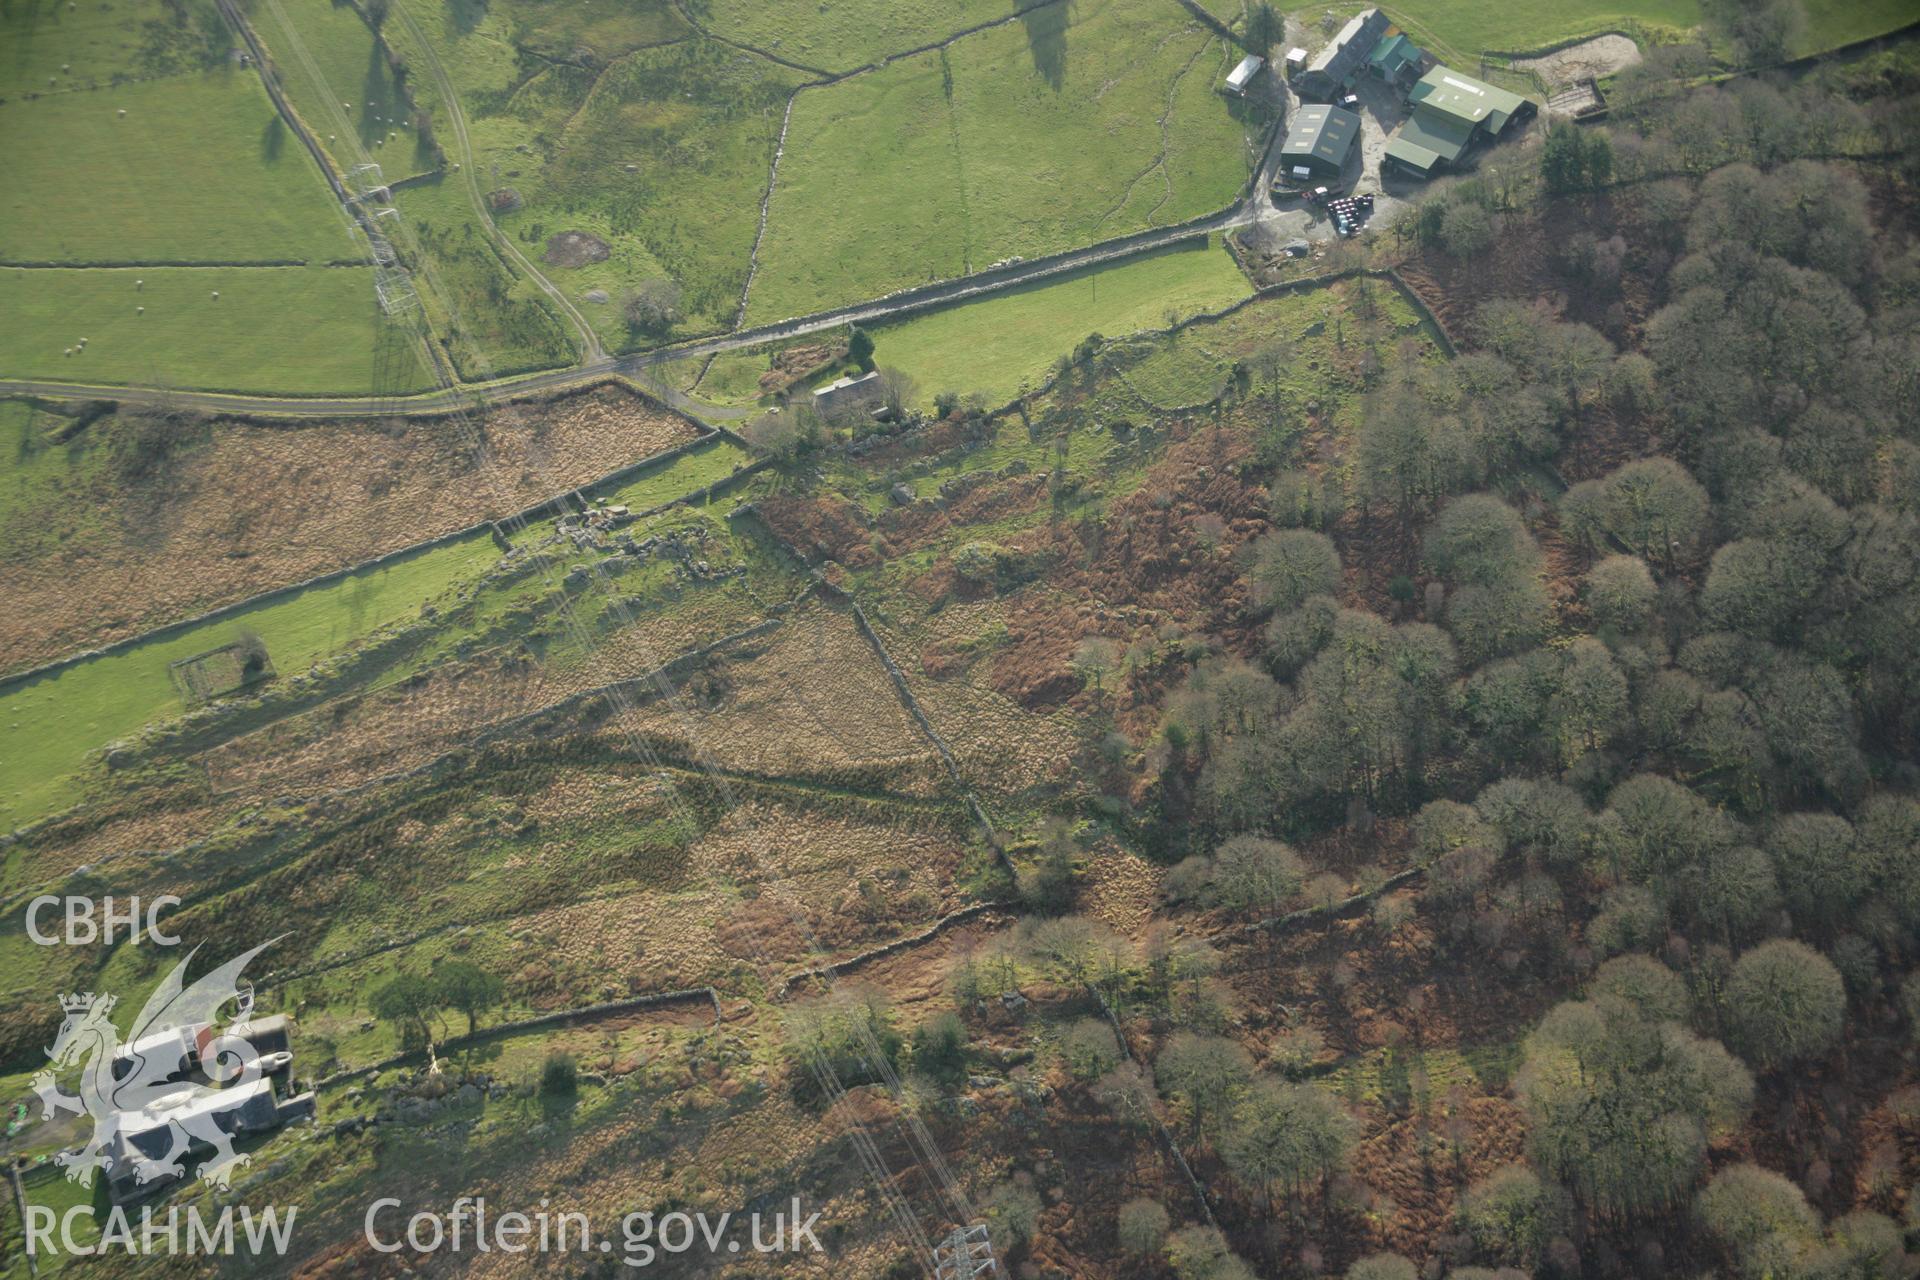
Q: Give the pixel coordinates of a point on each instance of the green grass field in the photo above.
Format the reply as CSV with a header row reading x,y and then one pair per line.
x,y
52,725
1837,22
1232,12
1462,29
840,35
999,344
50,47
286,330
660,146
691,471
1471,28
1316,325
1029,138
731,378
339,81
610,28
353,81
199,170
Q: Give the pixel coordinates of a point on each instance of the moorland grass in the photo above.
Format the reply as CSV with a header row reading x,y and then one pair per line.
x,y
671,148
998,344
200,169
500,323
275,330
1026,139
53,724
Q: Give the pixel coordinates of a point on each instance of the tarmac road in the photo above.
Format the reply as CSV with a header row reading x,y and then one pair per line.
x,y
1254,206
1248,209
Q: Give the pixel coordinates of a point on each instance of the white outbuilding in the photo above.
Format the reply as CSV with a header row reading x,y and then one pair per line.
x,y
1241,76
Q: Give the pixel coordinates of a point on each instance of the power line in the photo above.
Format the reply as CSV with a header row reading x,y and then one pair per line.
x,y
966,1254
386,224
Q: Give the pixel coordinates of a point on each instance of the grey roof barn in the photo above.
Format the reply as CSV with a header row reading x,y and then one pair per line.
x,y
1345,54
844,394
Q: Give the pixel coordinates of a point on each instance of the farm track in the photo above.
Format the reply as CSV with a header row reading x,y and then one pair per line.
x,y
590,341
906,302
183,264
596,364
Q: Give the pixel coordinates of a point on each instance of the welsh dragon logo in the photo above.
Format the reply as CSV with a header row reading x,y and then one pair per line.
x,y
153,1098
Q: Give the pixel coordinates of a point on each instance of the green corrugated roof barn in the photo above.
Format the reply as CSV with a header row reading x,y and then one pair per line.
x,y
1394,56
1320,138
1473,103
1449,111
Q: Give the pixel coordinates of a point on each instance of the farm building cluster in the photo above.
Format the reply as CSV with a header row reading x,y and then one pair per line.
x,y
1448,112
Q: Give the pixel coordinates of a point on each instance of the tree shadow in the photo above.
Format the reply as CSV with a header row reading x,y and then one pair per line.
x,y
273,139
375,89
557,1109
481,1054
1046,26
466,14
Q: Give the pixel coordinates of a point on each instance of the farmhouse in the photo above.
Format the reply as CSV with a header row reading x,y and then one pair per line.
x,y
143,1138
846,394
1245,73
1319,140
1344,55
1450,113
1241,76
